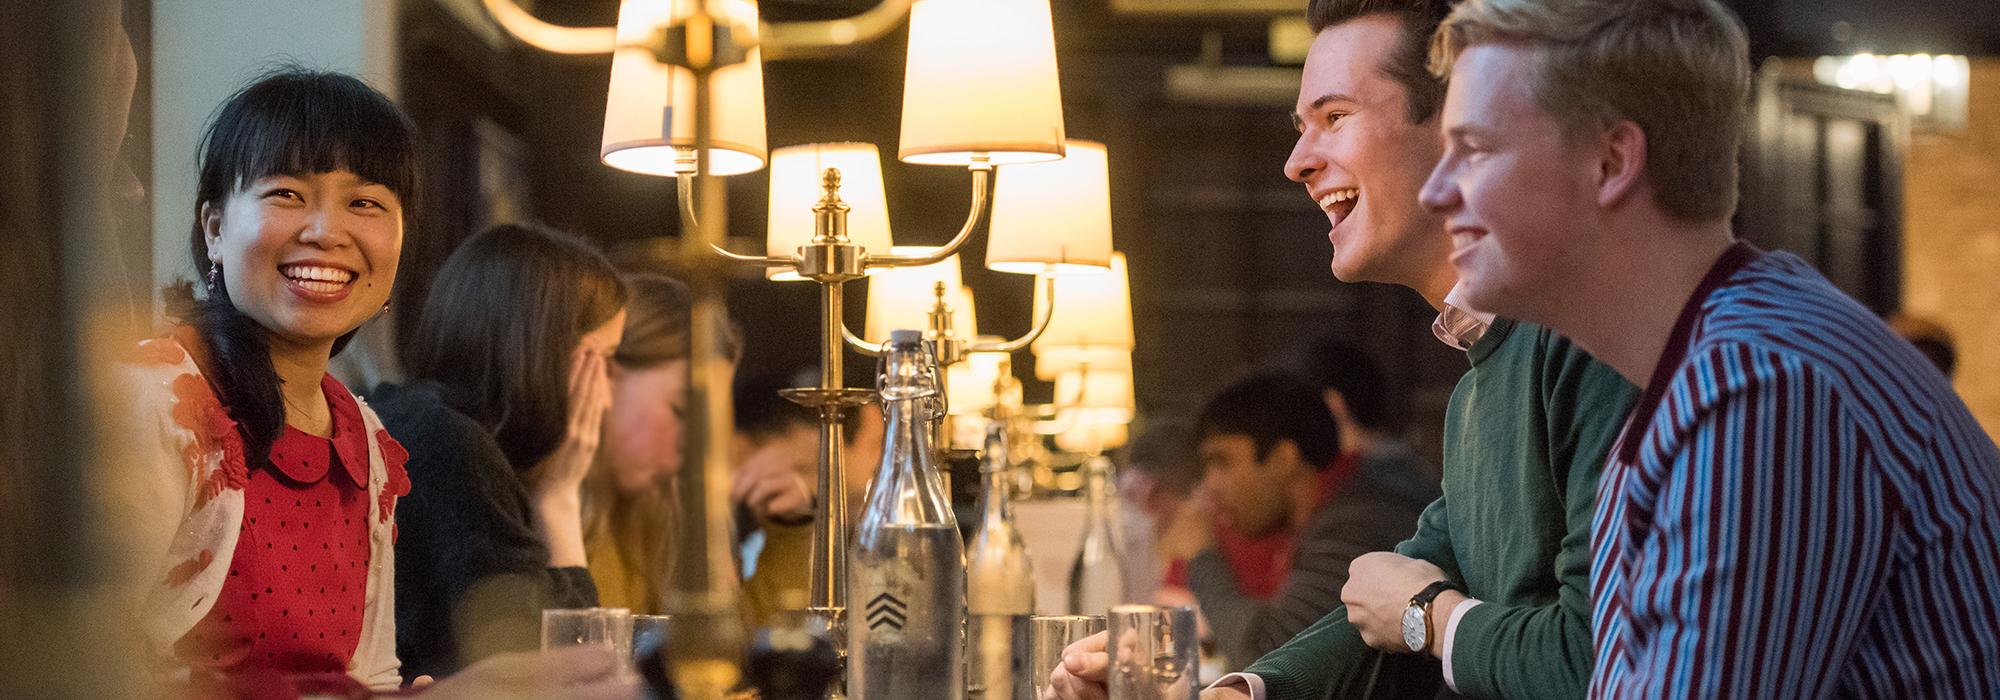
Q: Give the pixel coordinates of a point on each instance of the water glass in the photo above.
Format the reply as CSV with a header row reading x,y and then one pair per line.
x,y
607,627
1048,635
1154,653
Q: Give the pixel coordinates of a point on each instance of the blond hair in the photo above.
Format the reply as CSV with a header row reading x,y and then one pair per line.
x,y
1679,69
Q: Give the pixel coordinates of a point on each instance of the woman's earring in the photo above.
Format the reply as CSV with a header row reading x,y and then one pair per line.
x,y
213,283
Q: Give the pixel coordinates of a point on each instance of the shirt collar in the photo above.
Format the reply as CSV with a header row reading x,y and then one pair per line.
x,y
1459,326
348,440
350,435
1733,259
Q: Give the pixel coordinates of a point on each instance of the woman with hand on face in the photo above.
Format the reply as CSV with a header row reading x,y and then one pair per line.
x,y
262,513
509,386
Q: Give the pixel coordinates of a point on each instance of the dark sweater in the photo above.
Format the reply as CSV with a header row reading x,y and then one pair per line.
x,y
471,575
1373,509
1526,435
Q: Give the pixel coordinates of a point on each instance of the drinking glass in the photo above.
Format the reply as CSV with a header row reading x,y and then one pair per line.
x,y
607,627
1048,635
1154,653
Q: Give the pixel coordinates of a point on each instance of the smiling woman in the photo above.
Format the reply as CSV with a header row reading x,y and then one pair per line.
x,y
268,513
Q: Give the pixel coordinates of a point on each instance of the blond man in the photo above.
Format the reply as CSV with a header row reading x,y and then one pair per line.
x,y
1798,506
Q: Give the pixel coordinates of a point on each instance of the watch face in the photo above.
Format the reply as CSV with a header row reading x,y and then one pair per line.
x,y
1414,627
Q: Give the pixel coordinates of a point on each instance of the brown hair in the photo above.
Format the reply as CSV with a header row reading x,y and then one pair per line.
x,y
656,324
1420,18
1679,69
505,312
642,526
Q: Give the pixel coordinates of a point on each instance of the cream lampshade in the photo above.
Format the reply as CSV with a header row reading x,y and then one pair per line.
x,y
796,186
1085,436
1053,361
981,79
649,115
1054,215
1097,394
1093,309
969,385
902,297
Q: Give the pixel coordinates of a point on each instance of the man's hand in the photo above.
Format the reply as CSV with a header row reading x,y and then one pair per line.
x,y
1082,672
1192,530
1379,587
769,484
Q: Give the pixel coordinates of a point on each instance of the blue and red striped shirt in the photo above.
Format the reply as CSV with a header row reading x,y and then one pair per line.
x,y
1799,507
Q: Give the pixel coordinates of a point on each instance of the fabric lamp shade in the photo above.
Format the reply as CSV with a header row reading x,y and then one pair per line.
x,y
1054,215
981,79
1089,437
1097,394
649,114
902,297
1093,309
1051,362
797,185
970,384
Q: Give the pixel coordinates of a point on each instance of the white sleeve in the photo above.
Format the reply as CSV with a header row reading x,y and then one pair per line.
x,y
1244,680
1450,631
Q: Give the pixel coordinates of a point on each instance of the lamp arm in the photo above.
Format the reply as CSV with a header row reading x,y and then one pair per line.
x,y
780,40
794,40
982,175
858,344
757,260
553,38
1049,314
685,188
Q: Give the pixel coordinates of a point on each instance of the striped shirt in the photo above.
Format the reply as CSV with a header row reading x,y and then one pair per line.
x,y
1799,507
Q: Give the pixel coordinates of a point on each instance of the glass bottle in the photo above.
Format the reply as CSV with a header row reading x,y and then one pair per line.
x,y
999,585
1097,579
906,567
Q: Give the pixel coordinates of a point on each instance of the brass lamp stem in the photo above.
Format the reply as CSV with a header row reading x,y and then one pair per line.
x,y
705,592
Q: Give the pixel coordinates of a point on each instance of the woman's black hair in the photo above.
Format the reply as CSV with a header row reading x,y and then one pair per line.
x,y
290,121
496,332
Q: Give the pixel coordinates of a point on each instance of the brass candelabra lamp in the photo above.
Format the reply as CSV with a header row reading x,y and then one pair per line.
x,y
686,102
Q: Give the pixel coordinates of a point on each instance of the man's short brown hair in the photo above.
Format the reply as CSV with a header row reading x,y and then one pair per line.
x,y
1420,19
1680,69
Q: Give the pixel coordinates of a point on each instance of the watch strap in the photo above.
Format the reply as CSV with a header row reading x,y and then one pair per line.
x,y
1431,592
1423,600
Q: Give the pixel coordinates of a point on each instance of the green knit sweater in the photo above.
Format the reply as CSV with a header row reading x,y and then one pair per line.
x,y
1526,434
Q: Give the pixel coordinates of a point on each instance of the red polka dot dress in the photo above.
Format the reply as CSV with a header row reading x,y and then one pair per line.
x,y
292,603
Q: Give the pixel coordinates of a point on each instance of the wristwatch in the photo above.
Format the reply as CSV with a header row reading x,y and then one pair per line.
x,y
1417,617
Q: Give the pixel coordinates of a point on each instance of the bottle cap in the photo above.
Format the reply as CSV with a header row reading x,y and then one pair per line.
x,y
904,336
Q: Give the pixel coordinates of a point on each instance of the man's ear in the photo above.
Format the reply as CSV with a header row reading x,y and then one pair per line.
x,y
1622,164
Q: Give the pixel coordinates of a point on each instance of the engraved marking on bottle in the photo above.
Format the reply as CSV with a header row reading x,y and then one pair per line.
x,y
887,610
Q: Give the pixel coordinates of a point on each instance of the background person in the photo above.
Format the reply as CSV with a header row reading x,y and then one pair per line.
x,y
502,417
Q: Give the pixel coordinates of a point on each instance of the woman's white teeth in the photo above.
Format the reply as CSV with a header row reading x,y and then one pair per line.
x,y
315,273
1338,196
